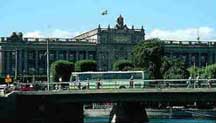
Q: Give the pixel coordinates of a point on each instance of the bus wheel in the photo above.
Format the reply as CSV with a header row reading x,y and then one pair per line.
x,y
122,87
84,87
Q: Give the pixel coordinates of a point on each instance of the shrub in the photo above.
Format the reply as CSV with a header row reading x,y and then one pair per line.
x,y
122,65
63,69
85,65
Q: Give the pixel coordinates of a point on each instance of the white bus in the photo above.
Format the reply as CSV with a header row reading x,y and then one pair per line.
x,y
109,79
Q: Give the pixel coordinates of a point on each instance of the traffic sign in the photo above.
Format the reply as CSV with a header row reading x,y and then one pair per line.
x,y
8,79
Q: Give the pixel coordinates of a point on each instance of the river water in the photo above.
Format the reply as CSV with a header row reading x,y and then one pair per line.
x,y
158,120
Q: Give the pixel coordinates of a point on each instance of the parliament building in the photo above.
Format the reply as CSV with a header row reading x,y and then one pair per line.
x,y
27,56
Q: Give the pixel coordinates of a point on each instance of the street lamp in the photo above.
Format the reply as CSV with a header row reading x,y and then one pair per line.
x,y
48,76
16,57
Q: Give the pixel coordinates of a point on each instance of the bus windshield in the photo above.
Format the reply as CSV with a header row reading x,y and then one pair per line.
x,y
108,75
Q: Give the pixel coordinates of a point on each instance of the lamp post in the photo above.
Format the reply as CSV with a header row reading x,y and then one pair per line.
x,y
16,60
48,76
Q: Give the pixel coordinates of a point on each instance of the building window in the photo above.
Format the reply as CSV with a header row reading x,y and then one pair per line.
x,y
42,59
32,70
41,70
52,57
81,55
72,56
91,55
31,55
61,55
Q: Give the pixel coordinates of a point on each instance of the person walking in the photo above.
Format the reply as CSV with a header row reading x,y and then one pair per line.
x,y
197,82
189,82
209,83
98,84
88,84
131,82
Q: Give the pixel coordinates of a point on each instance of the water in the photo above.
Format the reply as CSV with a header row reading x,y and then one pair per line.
x,y
158,120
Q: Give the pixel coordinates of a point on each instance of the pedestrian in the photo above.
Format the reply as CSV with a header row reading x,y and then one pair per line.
x,y
79,85
88,85
197,82
209,83
189,82
131,82
98,84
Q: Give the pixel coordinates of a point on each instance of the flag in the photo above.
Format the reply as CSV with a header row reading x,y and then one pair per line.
x,y
104,12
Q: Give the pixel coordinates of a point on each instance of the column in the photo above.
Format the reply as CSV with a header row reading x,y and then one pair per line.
x,y
25,61
8,63
2,63
199,59
36,61
77,55
215,57
20,63
99,61
67,55
57,54
86,55
190,59
210,58
171,54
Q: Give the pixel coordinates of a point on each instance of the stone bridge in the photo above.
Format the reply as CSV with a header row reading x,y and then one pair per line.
x,y
67,106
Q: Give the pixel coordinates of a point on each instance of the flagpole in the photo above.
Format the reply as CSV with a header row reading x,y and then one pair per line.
x,y
48,76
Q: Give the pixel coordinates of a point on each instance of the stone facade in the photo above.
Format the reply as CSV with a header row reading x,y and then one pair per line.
x,y
105,45
30,56
193,53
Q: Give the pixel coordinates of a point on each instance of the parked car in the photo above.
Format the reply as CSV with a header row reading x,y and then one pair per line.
x,y
2,89
6,88
26,87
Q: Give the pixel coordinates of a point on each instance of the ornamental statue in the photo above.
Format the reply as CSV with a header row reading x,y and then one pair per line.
x,y
120,23
16,37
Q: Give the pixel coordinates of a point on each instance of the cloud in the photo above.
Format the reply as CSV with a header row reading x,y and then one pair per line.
x,y
57,33
35,34
206,33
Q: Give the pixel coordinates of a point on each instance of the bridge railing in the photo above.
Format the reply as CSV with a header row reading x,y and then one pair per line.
x,y
120,84
177,83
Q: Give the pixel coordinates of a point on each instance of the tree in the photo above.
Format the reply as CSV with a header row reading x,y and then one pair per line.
x,y
208,71
174,69
194,71
148,54
122,65
85,65
63,69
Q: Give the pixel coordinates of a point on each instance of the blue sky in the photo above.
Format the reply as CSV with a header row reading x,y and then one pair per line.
x,y
166,19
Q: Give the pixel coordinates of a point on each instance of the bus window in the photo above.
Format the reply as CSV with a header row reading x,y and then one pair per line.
x,y
108,75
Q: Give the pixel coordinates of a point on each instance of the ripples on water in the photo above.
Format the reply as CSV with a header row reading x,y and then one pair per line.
x,y
106,120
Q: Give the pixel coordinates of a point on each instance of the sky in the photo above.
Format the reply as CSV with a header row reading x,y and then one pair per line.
x,y
165,19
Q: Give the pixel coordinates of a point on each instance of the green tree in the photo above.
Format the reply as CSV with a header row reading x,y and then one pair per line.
x,y
174,69
148,54
123,65
63,69
194,71
208,71
85,65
